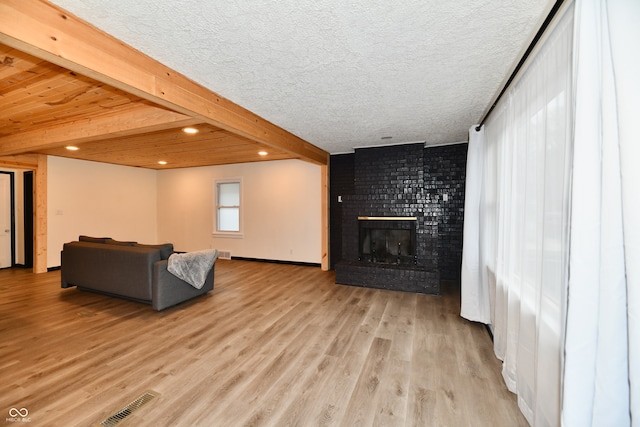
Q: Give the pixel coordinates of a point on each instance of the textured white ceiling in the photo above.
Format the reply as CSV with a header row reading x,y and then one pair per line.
x,y
339,74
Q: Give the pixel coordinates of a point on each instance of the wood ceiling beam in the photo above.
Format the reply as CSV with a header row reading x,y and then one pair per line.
x,y
140,118
21,161
46,31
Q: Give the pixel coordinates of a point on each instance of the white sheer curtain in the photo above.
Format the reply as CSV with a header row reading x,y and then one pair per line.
x,y
558,223
523,233
603,337
475,300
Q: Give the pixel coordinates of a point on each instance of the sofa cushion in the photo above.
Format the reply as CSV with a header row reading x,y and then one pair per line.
x,y
166,249
93,239
119,242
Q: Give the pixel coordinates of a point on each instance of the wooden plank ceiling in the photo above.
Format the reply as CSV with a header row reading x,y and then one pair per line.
x,y
46,107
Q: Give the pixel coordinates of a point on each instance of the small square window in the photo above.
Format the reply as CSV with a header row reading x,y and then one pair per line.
x,y
228,207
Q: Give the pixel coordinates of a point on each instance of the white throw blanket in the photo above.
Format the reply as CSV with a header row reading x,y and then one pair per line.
x,y
192,267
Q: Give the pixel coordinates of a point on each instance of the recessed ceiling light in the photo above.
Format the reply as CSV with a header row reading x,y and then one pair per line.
x,y
71,148
162,162
190,130
262,153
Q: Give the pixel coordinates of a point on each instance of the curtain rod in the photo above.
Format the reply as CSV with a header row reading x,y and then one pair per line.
x,y
525,56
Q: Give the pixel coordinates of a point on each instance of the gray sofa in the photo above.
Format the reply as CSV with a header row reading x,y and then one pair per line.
x,y
128,270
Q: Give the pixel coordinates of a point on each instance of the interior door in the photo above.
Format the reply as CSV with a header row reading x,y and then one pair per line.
x,y
5,220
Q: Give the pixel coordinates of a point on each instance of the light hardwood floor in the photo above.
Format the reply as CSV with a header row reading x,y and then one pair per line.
x,y
272,345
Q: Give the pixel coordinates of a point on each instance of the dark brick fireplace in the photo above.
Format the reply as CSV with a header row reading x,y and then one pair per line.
x,y
389,185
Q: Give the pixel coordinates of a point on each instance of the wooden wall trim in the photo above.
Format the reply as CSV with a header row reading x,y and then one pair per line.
x,y
324,170
20,161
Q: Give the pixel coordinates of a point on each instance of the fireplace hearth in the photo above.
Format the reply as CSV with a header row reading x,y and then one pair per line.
x,y
390,253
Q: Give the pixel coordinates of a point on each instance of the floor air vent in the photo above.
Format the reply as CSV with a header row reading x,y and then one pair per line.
x,y
123,413
224,254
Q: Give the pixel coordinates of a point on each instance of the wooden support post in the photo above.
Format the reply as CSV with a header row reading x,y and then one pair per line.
x,y
324,170
40,214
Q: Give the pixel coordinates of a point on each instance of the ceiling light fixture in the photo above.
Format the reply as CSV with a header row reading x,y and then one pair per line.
x,y
262,153
71,148
190,131
162,162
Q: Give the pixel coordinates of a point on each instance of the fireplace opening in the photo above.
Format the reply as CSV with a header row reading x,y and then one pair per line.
x,y
387,240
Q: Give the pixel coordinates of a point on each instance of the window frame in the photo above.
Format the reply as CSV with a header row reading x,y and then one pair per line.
x,y
216,207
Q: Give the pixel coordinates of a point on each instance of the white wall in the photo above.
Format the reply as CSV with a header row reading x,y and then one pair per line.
x,y
281,205
281,210
98,199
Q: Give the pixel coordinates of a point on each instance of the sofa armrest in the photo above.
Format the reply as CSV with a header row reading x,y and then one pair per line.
x,y
168,290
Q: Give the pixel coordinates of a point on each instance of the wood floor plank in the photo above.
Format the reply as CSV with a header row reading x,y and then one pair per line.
x,y
392,403
367,390
272,345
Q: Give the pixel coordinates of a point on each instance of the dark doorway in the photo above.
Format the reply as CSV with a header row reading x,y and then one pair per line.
x,y
28,219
